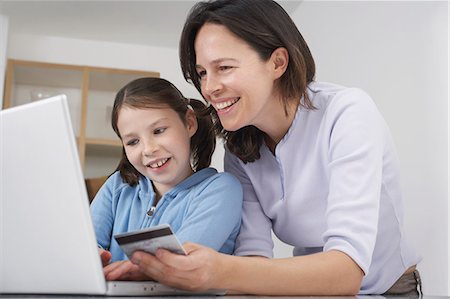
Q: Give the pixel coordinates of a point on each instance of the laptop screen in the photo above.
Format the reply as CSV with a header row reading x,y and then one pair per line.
x,y
48,244
47,237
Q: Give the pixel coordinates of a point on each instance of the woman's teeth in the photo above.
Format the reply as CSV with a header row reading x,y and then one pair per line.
x,y
226,104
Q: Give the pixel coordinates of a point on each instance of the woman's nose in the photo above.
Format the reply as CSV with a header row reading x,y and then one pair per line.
x,y
211,85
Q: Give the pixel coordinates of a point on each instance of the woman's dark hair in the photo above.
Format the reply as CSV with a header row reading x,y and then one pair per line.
x,y
145,93
265,26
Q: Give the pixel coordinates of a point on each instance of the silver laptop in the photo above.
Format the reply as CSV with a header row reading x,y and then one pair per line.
x,y
48,244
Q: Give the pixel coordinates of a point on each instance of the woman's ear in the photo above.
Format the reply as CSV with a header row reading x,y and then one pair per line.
x,y
191,122
280,60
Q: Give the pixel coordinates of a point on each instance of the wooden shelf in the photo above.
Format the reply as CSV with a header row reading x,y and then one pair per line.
x,y
104,150
106,142
113,80
90,93
49,76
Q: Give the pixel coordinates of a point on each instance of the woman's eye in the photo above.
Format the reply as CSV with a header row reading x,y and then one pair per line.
x,y
225,67
132,142
159,131
201,74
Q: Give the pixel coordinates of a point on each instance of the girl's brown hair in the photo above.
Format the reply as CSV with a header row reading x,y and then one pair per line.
x,y
145,93
265,26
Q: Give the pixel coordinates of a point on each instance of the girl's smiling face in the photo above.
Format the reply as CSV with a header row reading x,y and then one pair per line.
x,y
157,144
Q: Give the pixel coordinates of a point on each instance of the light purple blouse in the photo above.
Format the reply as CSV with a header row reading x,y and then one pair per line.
x,y
333,184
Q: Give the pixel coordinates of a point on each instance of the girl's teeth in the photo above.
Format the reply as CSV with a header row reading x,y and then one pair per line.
x,y
159,163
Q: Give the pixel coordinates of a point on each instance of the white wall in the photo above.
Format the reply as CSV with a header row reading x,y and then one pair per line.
x,y
102,54
3,43
398,53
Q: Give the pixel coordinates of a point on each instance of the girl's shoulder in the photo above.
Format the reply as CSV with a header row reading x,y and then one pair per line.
x,y
115,184
215,178
210,183
216,188
114,181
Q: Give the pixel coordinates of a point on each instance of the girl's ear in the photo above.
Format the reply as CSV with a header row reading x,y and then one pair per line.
x,y
191,122
280,61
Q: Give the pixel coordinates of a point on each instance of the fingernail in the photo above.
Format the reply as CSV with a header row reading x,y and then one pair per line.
x,y
136,259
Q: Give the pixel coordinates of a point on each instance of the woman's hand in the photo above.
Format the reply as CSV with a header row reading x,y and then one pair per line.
x,y
198,271
124,270
105,256
326,273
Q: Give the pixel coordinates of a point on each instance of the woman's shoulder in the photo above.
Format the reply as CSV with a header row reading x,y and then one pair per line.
x,y
346,109
325,94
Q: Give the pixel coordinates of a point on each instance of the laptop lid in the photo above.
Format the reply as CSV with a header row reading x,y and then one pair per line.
x,y
47,240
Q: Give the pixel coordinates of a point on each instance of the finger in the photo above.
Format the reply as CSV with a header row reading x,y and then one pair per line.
x,y
189,247
122,271
105,256
148,264
177,261
111,267
153,268
105,260
182,262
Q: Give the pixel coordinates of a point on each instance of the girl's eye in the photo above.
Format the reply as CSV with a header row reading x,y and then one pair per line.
x,y
159,131
132,142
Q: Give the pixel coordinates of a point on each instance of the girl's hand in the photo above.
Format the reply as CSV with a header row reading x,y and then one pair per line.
x,y
124,270
198,271
105,256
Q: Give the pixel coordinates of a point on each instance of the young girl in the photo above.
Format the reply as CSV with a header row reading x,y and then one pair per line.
x,y
163,176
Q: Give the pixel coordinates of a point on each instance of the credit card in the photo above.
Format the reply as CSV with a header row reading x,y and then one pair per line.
x,y
149,240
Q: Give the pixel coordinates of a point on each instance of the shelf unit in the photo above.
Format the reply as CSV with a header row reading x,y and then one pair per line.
x,y
90,93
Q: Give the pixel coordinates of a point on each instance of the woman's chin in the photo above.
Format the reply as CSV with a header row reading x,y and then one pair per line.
x,y
231,127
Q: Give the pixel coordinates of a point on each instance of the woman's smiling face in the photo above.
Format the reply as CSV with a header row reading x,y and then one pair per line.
x,y
234,78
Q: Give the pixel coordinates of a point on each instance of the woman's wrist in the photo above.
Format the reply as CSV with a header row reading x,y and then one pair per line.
x,y
227,271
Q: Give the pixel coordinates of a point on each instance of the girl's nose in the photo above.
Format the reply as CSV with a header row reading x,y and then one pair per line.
x,y
150,146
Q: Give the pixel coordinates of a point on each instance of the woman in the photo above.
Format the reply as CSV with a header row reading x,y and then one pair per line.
x,y
316,162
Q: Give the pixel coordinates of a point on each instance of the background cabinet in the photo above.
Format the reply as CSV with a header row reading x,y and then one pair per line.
x,y
90,93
